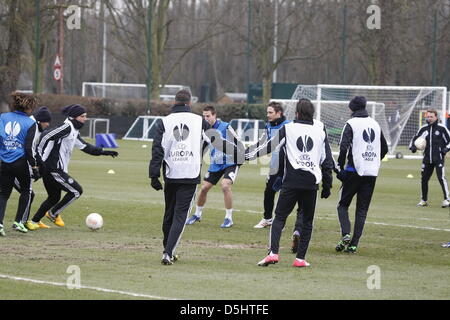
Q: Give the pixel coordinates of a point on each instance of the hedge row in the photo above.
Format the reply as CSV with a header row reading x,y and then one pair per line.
x,y
137,107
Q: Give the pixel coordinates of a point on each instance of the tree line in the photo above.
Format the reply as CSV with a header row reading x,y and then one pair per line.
x,y
218,46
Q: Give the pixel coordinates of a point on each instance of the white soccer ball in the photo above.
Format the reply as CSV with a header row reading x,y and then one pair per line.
x,y
420,143
94,221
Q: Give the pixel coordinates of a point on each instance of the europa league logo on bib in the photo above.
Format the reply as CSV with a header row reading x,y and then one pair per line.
x,y
181,132
369,137
305,144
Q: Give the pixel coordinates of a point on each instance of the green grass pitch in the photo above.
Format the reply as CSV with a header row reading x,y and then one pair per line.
x,y
401,239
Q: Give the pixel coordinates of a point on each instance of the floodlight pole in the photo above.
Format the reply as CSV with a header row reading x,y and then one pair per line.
x,y
37,46
275,43
149,56
344,44
249,26
105,43
434,58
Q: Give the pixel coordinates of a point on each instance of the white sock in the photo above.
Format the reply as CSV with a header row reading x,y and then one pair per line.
x,y
198,211
229,214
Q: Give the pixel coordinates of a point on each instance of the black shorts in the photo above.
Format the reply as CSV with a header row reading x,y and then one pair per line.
x,y
228,173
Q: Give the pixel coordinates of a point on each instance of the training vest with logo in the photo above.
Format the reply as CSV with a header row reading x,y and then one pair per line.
x,y
13,132
305,147
182,145
366,146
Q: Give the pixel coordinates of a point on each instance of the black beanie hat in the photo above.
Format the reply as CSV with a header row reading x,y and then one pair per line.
x,y
357,103
74,110
43,115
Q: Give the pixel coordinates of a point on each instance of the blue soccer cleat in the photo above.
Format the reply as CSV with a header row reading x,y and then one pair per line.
x,y
227,223
193,220
445,245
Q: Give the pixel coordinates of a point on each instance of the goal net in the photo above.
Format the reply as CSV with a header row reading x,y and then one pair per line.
x,y
398,110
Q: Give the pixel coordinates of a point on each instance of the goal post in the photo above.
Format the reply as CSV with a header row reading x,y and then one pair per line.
x,y
397,109
130,91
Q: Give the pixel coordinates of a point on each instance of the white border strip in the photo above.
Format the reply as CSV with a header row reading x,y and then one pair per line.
x,y
59,284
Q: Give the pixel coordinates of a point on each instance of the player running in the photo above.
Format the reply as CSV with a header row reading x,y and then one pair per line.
x,y
55,150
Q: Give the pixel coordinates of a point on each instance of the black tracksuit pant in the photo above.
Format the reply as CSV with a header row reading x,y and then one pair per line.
x,y
286,203
55,182
19,170
427,171
19,190
269,202
179,198
363,188
269,197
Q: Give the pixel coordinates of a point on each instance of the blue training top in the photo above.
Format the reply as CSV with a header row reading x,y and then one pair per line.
x,y
219,160
13,132
271,132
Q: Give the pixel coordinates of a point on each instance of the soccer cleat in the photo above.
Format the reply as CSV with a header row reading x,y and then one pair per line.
x,y
264,223
56,220
167,260
43,225
2,231
30,225
445,245
270,259
18,226
343,243
227,223
350,249
445,203
422,204
295,241
193,220
299,263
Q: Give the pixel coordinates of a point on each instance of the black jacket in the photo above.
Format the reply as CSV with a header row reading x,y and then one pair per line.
x,y
438,142
347,141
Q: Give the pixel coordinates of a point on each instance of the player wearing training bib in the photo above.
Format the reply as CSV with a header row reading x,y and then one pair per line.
x,y
366,146
307,163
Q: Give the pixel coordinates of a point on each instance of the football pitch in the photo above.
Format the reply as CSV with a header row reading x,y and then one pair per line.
x,y
122,260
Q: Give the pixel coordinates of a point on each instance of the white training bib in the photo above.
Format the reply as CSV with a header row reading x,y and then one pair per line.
x,y
182,141
366,146
305,145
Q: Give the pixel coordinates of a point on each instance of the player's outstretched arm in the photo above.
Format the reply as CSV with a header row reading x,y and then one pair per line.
x,y
261,149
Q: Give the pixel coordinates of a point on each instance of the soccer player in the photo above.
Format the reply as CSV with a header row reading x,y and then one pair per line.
x,y
363,139
42,117
178,146
55,150
221,166
308,162
275,121
17,132
438,144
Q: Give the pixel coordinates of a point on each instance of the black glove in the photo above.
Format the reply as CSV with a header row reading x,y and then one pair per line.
x,y
342,175
413,149
444,151
36,174
326,192
109,153
156,184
